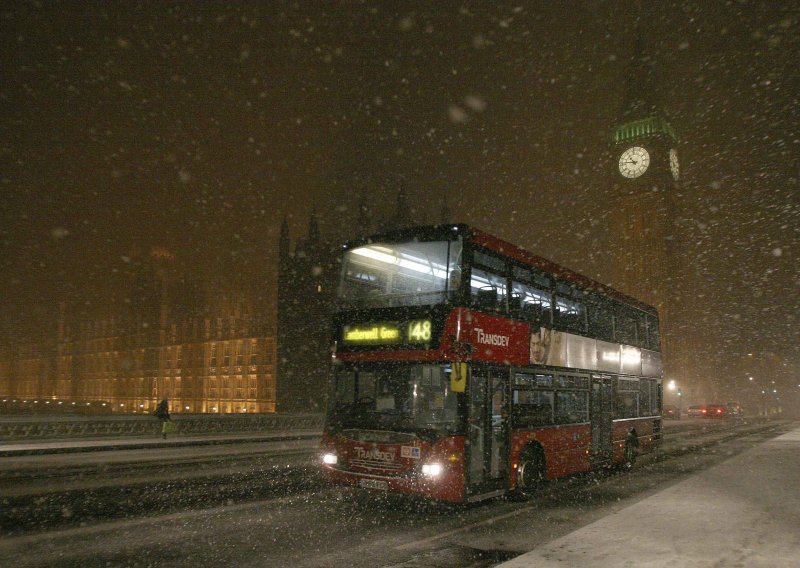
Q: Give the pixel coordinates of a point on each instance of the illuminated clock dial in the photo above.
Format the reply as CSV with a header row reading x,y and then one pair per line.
x,y
673,163
634,162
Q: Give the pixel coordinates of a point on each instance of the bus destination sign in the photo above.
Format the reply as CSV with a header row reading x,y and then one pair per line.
x,y
385,333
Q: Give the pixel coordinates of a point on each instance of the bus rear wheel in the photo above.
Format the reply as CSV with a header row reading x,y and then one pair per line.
x,y
530,473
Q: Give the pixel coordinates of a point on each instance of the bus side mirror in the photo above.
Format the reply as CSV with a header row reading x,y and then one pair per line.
x,y
458,377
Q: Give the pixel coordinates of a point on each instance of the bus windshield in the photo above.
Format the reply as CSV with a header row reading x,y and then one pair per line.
x,y
382,275
402,398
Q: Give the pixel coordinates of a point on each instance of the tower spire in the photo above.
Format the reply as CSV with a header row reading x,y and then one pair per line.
x,y
639,100
445,212
363,215
313,228
402,215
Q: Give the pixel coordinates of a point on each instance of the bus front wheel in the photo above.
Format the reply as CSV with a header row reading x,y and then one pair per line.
x,y
530,472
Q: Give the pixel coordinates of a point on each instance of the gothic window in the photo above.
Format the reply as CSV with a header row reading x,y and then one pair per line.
x,y
254,353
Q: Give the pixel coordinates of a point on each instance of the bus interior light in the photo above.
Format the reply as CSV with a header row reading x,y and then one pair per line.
x,y
391,257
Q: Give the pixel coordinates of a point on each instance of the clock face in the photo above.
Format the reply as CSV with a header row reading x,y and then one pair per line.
x,y
633,162
673,163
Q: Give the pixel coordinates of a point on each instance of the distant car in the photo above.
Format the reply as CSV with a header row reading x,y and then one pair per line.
x,y
716,411
697,411
671,412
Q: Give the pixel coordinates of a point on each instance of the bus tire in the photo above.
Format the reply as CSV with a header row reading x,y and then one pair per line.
x,y
530,472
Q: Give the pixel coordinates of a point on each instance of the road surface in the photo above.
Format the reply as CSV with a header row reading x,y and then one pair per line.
x,y
301,523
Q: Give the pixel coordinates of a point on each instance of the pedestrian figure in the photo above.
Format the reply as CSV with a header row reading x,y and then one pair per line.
x,y
162,413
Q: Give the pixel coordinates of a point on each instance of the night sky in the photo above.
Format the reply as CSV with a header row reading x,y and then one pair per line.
x,y
199,126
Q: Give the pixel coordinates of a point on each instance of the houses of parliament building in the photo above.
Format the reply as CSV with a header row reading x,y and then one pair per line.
x,y
161,344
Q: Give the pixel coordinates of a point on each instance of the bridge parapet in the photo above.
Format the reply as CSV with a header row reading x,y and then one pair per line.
x,y
42,427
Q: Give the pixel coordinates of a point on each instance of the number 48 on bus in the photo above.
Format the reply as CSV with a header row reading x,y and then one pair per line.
x,y
419,331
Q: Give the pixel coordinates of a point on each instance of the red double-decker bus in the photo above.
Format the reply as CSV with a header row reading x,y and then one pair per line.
x,y
465,368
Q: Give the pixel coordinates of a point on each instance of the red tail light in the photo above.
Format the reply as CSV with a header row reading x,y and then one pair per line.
x,y
704,411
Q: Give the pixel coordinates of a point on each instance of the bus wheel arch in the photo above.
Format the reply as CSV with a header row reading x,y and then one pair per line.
x,y
531,469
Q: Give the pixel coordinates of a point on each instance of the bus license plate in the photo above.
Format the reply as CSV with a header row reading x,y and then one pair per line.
x,y
373,484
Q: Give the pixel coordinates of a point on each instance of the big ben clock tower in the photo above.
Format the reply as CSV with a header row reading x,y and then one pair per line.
x,y
645,173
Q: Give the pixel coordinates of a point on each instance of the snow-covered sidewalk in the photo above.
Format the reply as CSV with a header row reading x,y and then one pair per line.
x,y
742,512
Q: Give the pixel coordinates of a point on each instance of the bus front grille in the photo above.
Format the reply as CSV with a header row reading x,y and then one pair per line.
x,y
373,464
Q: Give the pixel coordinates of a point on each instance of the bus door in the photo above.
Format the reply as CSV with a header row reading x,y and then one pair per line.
x,y
487,455
602,407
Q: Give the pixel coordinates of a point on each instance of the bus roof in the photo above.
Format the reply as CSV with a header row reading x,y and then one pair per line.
x,y
476,236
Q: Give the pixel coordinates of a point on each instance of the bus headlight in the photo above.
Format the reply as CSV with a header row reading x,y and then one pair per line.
x,y
330,459
432,469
